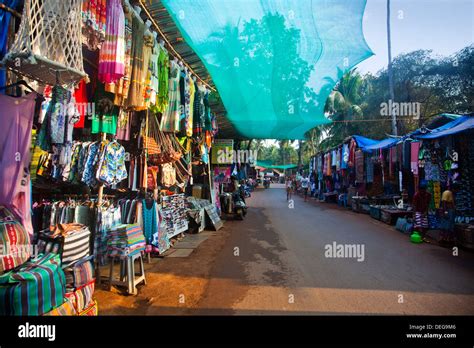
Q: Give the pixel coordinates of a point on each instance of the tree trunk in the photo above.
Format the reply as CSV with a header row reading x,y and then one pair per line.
x,y
300,149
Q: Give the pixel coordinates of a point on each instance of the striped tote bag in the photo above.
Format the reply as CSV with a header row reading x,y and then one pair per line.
x,y
15,247
33,289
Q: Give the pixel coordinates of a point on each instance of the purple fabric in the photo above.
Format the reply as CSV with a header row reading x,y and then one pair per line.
x,y
15,140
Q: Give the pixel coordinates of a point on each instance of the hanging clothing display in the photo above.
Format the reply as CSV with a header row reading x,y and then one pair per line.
x,y
163,83
106,113
59,120
415,148
123,125
136,90
121,87
94,17
80,96
359,165
171,116
345,156
17,122
199,109
145,78
112,52
112,168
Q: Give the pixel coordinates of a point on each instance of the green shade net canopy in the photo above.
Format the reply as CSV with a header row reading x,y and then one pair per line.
x,y
274,62
269,165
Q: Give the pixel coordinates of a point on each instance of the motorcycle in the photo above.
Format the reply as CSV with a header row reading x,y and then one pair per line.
x,y
233,204
266,184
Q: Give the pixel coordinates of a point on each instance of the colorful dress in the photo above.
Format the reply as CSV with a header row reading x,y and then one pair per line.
x,y
190,120
170,120
121,87
146,73
135,93
112,53
163,83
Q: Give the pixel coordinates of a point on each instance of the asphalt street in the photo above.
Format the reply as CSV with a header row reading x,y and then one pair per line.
x,y
276,261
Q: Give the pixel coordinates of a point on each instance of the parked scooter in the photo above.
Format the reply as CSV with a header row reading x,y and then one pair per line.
x,y
266,183
234,204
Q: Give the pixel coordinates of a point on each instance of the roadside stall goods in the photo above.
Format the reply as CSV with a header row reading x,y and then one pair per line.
x,y
109,131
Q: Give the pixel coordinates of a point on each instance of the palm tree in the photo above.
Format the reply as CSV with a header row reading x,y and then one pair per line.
x,y
343,105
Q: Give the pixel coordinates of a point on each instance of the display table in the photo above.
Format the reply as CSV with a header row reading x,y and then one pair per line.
x,y
391,215
360,204
465,235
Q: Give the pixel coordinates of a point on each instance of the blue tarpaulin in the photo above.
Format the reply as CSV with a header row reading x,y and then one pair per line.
x,y
363,142
459,125
383,144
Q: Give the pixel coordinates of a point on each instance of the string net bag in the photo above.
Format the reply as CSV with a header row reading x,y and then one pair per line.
x,y
47,47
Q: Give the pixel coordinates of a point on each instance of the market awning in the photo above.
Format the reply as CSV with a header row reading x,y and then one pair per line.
x,y
274,63
458,125
269,165
382,144
363,142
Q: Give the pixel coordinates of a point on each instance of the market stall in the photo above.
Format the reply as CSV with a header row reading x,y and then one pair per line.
x,y
115,132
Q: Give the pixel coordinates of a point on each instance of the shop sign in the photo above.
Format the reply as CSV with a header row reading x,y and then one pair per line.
x,y
222,146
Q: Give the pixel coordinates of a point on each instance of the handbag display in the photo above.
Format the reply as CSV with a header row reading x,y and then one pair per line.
x,y
161,147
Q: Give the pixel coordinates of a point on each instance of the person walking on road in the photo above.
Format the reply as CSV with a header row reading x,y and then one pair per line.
x,y
289,188
305,187
421,203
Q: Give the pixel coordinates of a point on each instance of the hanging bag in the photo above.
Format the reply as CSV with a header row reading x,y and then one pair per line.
x,y
14,240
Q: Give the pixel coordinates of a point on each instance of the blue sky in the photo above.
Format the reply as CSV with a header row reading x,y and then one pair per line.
x,y
445,26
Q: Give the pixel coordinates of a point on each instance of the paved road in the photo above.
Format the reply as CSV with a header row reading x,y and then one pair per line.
x,y
274,263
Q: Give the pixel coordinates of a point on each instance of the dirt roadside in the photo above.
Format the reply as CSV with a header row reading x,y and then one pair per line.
x,y
175,286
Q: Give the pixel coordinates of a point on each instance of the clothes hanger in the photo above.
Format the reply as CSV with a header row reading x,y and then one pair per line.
x,y
19,83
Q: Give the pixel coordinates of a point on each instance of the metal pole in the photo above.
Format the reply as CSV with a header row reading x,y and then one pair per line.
x,y
390,73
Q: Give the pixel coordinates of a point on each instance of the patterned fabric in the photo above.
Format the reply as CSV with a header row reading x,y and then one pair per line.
x,y
112,168
171,116
168,175
33,289
112,53
199,110
59,121
121,87
125,240
91,159
76,243
14,241
67,308
421,220
92,310
94,16
82,297
135,95
83,272
150,221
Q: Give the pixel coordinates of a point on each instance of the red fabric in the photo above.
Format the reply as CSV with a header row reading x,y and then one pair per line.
x,y
80,94
421,201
